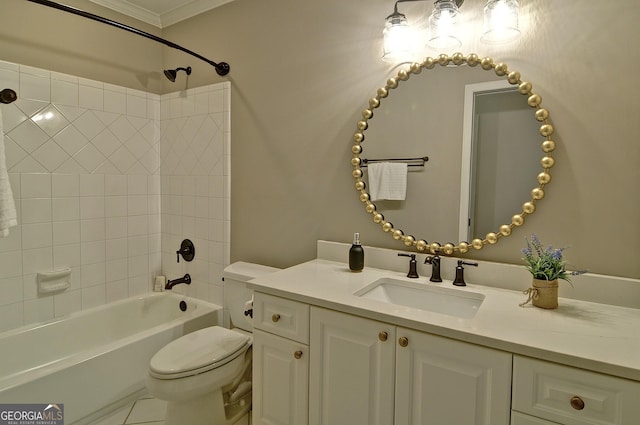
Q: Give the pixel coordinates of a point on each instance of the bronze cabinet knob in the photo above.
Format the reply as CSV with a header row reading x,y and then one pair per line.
x,y
577,403
382,336
403,341
275,317
297,354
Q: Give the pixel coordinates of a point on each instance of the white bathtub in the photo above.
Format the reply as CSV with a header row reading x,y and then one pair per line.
x,y
95,360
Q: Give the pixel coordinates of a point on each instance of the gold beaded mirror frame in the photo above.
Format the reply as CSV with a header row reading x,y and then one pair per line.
x,y
543,178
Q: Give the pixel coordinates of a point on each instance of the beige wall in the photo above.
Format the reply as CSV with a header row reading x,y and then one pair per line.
x,y
36,35
302,70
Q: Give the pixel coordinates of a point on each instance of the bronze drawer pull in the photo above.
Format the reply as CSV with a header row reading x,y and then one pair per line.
x,y
275,317
297,354
403,341
382,336
577,403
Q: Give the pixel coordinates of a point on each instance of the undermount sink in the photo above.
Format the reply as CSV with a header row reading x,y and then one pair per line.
x,y
437,299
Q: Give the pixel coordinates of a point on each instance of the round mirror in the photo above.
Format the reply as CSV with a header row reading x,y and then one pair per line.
x,y
427,160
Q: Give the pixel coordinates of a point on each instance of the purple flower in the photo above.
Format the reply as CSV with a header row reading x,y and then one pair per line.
x,y
545,264
557,254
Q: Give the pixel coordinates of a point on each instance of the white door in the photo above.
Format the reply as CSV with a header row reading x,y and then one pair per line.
x,y
440,381
280,380
351,379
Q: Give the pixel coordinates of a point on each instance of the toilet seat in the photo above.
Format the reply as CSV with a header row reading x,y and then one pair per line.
x,y
198,352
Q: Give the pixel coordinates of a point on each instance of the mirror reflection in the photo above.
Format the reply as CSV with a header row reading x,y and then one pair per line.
x,y
463,192
500,149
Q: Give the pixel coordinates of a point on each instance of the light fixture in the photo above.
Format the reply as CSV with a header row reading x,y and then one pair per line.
x,y
397,37
500,21
443,23
400,39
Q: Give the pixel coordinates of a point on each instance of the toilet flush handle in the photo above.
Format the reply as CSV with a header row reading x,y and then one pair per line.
x,y
248,308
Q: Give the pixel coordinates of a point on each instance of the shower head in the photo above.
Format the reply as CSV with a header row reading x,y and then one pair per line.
x,y
172,73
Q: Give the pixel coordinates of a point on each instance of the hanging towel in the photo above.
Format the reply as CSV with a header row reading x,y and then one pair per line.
x,y
388,180
8,216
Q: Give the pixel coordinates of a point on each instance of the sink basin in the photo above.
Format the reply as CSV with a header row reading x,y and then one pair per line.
x,y
452,302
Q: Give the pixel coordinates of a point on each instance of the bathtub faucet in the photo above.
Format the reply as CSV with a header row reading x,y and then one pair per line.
x,y
184,279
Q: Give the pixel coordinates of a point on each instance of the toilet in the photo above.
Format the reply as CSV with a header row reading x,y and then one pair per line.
x,y
205,376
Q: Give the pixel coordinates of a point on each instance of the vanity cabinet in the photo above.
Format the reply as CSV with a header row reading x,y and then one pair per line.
x,y
280,361
368,372
571,396
317,366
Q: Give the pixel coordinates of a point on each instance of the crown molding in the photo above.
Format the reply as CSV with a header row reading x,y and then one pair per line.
x,y
158,19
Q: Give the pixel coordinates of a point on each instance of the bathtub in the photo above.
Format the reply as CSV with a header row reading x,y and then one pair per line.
x,y
95,360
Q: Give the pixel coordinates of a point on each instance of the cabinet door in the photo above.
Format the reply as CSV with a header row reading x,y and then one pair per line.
x,y
280,380
440,381
518,418
352,368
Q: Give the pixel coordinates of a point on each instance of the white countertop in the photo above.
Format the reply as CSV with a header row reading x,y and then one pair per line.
x,y
598,337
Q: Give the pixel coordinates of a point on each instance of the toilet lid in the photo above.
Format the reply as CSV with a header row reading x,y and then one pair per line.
x,y
197,350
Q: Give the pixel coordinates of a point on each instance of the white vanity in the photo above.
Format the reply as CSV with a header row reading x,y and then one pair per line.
x,y
327,353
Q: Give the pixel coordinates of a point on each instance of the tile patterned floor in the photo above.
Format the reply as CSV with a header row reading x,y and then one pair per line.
x,y
147,410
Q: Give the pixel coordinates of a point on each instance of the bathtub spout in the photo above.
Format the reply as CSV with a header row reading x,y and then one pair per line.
x,y
185,279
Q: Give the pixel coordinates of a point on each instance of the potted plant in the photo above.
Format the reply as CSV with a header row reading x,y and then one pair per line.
x,y
546,265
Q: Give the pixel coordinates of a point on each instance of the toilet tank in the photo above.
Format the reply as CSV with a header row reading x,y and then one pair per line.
x,y
236,293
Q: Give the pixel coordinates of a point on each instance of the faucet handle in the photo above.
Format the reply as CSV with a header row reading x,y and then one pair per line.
x,y
459,280
413,272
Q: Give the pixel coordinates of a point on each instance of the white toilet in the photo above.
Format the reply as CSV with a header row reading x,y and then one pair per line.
x,y
205,376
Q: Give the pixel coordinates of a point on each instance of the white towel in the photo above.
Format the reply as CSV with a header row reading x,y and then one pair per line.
x,y
388,180
8,216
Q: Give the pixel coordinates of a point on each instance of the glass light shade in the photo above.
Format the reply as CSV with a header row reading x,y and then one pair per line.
x,y
397,39
500,21
443,23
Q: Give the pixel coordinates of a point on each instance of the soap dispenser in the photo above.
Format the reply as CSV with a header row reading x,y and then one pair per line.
x,y
356,255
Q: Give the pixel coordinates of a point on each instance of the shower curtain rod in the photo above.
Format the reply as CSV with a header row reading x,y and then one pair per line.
x,y
222,68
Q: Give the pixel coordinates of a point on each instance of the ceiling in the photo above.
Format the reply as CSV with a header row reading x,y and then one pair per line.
x,y
161,13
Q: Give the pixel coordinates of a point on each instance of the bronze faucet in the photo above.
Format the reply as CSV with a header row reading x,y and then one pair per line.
x,y
434,260
184,279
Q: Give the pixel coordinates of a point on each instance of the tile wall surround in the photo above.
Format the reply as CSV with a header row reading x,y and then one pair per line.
x,y
93,167
195,179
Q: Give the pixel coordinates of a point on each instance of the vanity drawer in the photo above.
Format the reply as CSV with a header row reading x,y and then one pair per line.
x,y
280,316
573,396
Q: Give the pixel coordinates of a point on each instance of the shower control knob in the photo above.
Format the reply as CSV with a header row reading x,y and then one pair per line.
x,y
187,251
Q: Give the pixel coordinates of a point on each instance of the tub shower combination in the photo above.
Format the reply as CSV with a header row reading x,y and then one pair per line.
x,y
96,360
